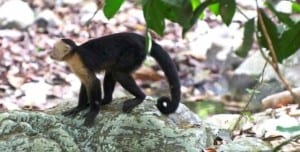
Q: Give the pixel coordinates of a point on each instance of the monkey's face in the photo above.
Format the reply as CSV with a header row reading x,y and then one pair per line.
x,y
60,50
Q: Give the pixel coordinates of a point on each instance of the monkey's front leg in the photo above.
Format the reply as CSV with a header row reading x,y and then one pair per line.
x,y
94,96
82,103
108,85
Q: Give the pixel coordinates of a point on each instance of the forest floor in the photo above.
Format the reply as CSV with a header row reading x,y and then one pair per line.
x,y
29,78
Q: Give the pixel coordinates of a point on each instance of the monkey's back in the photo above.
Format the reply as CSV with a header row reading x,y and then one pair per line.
x,y
123,52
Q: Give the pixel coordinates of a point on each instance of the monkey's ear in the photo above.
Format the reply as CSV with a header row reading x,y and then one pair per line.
x,y
60,50
67,48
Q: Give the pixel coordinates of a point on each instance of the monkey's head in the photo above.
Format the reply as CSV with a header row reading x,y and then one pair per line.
x,y
62,49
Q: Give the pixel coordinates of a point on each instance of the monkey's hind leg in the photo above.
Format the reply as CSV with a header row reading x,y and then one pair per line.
x,y
129,84
82,103
109,86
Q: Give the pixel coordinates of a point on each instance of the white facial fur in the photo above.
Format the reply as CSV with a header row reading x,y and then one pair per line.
x,y
60,50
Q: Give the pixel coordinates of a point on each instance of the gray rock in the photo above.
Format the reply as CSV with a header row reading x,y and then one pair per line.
x,y
263,90
87,11
50,17
253,65
248,144
16,14
291,69
144,129
11,34
71,2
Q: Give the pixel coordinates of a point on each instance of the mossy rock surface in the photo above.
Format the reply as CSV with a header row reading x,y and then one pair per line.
x,y
144,129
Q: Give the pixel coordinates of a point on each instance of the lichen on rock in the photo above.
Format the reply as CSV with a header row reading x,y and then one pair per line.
x,y
144,129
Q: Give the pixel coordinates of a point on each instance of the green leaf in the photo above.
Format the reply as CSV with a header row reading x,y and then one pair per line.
x,y
111,7
148,41
289,42
248,115
252,91
199,10
227,10
271,31
247,39
179,11
215,8
176,3
296,7
154,16
288,129
283,17
195,3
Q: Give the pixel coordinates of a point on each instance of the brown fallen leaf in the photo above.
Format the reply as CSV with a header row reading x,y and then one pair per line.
x,y
210,150
280,99
193,54
147,73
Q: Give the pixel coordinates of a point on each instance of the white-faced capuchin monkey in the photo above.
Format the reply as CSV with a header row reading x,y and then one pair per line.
x,y
118,55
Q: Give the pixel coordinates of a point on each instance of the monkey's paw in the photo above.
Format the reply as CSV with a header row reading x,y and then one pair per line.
x,y
130,104
90,116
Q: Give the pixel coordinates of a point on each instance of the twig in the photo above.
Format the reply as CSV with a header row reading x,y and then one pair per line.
x,y
251,97
255,87
88,22
277,148
274,62
242,13
91,18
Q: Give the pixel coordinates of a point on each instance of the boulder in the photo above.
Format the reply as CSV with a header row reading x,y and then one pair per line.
x,y
144,129
16,14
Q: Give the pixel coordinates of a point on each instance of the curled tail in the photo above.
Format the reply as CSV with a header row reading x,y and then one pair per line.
x,y
165,104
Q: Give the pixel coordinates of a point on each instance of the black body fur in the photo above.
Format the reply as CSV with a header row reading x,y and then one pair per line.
x,y
119,55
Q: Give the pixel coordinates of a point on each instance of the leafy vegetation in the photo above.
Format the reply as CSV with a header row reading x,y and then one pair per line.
x,y
283,34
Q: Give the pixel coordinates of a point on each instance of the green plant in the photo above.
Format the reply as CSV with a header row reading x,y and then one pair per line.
x,y
283,34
